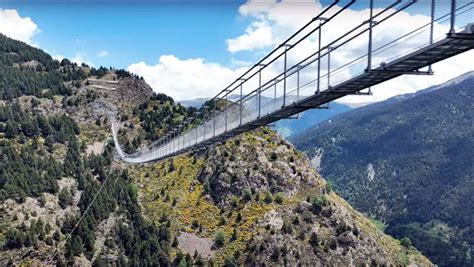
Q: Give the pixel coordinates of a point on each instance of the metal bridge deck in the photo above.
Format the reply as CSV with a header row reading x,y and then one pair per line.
x,y
409,64
452,45
248,112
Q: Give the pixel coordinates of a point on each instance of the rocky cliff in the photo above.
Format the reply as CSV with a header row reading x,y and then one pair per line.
x,y
252,200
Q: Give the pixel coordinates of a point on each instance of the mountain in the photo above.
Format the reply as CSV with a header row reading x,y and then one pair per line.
x,y
67,200
408,161
195,103
287,127
308,118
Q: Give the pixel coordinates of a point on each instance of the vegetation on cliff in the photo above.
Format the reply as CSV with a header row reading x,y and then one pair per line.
x,y
253,199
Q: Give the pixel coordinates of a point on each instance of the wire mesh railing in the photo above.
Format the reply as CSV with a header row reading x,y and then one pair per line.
x,y
292,72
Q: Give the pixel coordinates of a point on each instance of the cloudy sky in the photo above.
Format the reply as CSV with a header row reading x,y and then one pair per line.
x,y
192,49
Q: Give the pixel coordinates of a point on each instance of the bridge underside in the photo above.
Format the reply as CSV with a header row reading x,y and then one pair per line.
x,y
409,64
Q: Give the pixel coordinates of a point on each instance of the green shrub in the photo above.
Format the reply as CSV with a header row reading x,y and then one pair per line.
x,y
406,242
222,220
239,217
318,204
234,200
247,195
279,198
302,235
219,238
268,197
328,187
313,239
273,156
65,198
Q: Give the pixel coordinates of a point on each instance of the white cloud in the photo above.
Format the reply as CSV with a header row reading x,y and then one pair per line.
x,y
185,79
240,63
283,18
80,57
256,7
58,57
103,53
271,23
257,36
17,27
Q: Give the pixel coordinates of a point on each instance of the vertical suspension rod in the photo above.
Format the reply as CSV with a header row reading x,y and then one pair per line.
x,y
298,84
319,56
226,108
285,74
214,119
260,91
432,27
241,102
275,92
204,125
453,15
369,53
329,68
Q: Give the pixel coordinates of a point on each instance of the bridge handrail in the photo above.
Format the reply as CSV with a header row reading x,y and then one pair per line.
x,y
185,139
293,69
275,80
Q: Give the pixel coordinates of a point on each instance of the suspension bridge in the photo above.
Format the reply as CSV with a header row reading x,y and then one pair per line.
x,y
293,78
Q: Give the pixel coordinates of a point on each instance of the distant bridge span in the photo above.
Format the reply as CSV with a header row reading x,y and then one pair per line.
x,y
260,96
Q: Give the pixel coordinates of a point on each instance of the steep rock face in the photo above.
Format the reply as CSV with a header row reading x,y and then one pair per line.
x,y
125,93
262,162
97,98
253,191
269,204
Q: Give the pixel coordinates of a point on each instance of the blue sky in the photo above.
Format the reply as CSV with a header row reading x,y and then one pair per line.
x,y
182,47
133,32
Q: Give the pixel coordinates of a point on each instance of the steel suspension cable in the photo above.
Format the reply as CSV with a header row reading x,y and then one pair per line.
x,y
69,235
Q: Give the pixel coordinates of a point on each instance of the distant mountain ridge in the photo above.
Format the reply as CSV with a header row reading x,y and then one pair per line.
x,y
409,161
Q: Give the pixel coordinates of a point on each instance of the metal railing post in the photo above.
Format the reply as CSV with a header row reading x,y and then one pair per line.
x,y
432,28
226,108
204,124
329,68
369,53
298,84
174,143
432,21
284,75
259,92
453,16
319,57
214,120
275,93
241,103
178,137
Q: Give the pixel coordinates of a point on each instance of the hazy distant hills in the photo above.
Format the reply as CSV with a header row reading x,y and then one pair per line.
x,y
409,161
309,118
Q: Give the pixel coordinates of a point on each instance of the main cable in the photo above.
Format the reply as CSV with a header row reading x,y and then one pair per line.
x,y
82,216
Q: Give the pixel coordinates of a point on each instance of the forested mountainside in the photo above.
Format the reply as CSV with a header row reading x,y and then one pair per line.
x,y
251,200
408,161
